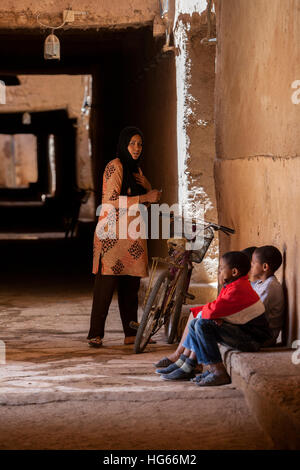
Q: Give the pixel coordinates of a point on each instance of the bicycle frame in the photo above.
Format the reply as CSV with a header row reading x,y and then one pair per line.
x,y
190,256
177,259
171,288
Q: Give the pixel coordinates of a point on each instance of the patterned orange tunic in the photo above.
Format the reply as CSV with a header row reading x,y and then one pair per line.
x,y
118,256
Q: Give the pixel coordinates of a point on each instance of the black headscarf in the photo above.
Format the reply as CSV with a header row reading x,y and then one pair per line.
x,y
130,165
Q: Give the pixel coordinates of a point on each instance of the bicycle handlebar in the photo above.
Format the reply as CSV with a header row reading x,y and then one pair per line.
x,y
224,229
207,224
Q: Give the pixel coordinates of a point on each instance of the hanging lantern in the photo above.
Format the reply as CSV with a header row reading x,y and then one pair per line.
x,y
26,118
52,47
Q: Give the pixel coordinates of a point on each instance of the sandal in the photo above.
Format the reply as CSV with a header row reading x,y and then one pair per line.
x,y
199,377
211,380
96,342
129,340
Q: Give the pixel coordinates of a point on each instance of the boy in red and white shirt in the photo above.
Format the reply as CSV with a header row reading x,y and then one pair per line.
x,y
235,318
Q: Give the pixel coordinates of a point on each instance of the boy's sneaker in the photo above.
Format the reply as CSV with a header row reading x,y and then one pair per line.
x,y
168,369
164,362
173,366
178,374
184,372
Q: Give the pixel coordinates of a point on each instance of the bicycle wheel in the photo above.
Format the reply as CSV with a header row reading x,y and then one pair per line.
x,y
171,326
151,313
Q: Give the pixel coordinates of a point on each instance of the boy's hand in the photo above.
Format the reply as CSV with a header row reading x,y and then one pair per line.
x,y
218,321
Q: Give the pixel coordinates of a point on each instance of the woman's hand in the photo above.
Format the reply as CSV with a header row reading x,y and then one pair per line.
x,y
151,196
142,180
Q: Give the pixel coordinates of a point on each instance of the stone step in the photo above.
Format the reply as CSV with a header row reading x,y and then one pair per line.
x,y
270,381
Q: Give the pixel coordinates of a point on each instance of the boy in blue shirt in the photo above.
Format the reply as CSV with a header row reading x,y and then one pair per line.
x,y
265,262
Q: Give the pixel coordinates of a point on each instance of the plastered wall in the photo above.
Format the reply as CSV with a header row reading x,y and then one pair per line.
x,y
100,13
257,133
196,127
18,160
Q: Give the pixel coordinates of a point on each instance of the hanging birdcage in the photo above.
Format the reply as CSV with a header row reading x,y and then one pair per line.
x,y
52,47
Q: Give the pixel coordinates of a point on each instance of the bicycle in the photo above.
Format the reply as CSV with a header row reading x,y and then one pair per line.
x,y
163,302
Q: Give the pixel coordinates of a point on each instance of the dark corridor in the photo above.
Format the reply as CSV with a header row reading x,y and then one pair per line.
x,y
116,60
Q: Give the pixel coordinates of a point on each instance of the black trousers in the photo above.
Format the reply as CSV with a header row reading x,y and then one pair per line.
x,y
127,287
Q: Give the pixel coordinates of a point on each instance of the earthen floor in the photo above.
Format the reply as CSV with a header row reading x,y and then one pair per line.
x,y
57,393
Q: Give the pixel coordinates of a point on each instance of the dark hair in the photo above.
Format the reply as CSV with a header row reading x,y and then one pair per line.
x,y
130,165
271,255
238,260
249,251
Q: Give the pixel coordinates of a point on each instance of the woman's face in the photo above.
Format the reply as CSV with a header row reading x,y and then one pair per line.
x,y
135,146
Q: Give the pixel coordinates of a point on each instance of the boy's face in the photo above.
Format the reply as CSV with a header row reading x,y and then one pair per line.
x,y
257,268
226,274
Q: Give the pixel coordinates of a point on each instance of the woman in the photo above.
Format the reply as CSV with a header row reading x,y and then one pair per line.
x,y
121,262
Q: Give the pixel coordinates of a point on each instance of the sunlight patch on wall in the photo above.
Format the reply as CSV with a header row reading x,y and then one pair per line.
x,y
190,197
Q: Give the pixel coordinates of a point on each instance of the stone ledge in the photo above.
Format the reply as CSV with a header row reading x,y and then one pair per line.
x,y
271,384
